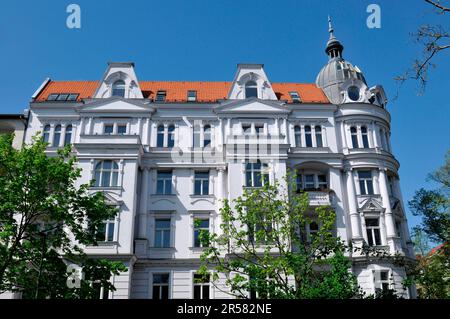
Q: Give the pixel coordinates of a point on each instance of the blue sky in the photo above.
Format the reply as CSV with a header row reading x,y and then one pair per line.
x,y
205,39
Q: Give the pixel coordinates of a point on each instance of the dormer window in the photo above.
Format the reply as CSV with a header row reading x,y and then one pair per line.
x,y
160,96
192,96
251,89
295,97
118,88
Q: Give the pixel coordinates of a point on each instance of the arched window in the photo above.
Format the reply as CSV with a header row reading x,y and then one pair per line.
x,y
160,136
118,88
68,135
308,137
256,174
354,134
318,131
207,135
251,89
298,136
171,136
365,137
46,133
106,174
57,136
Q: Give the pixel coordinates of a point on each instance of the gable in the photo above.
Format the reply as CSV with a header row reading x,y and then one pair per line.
x,y
116,105
252,106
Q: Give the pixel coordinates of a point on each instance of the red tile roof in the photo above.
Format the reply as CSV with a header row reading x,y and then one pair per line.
x,y
177,91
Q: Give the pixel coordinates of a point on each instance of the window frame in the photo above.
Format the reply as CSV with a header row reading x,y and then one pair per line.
x,y
202,181
162,232
366,188
203,285
161,96
295,97
191,95
160,285
113,174
165,180
373,232
252,171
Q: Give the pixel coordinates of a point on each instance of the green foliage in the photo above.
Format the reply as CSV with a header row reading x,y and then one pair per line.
x,y
43,213
263,248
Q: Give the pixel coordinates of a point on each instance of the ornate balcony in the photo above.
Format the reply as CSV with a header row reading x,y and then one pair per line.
x,y
319,198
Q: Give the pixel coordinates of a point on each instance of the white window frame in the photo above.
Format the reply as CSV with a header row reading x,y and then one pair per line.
x,y
169,285
201,285
111,171
169,218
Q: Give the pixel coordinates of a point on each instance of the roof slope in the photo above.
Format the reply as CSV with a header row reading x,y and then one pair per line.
x,y
176,91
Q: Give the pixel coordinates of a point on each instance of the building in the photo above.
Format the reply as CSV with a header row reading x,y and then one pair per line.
x,y
14,123
167,153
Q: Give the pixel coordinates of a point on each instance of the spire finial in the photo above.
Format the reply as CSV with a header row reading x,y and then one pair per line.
x,y
330,27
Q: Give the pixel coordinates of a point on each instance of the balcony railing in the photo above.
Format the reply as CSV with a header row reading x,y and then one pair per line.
x,y
318,198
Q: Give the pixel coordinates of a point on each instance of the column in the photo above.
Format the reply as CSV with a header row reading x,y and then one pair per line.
x,y
139,128
343,136
313,135
355,220
277,128
389,216
324,136
286,132
63,135
359,136
142,231
375,141
302,136
221,141
146,131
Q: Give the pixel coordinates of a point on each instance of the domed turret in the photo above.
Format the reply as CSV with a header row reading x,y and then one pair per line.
x,y
338,79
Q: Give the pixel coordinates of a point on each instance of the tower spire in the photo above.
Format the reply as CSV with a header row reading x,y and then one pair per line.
x,y
334,47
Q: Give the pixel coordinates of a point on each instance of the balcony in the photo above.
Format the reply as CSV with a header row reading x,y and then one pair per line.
x,y
319,198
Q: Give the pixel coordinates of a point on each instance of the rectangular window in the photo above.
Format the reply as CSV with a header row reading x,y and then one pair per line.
x,y
108,129
373,231
52,97
72,97
309,182
322,182
192,96
398,228
383,283
259,128
299,180
247,128
160,286
295,97
365,182
201,286
62,97
122,129
164,183
162,233
201,228
105,232
160,96
201,183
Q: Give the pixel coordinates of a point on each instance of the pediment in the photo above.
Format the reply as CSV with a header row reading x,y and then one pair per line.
x,y
371,204
252,105
116,104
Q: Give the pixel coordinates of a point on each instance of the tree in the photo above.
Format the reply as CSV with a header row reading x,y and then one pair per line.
x,y
43,224
263,250
434,39
432,272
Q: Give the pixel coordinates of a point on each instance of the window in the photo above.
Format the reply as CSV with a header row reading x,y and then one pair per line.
x,y
192,96
46,133
52,97
201,183
309,182
105,232
318,131
365,182
295,97
107,174
160,136
118,88
298,136
164,183
171,136
201,228
259,128
160,96
260,231
398,228
365,137
207,135
62,97
56,136
68,135
390,185
72,97
313,230
308,137
122,129
256,174
299,182
383,140
354,134
247,129
322,182
162,233
383,283
108,129
353,93
201,286
251,89
373,231
160,286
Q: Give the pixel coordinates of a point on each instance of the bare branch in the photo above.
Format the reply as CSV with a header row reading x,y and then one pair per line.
x,y
438,5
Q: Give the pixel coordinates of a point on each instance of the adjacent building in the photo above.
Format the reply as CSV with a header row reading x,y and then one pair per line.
x,y
167,153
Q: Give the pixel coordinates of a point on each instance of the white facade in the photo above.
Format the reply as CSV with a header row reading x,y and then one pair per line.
x,y
154,185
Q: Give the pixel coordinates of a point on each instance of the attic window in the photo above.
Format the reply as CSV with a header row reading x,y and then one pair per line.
x,y
118,88
192,96
160,96
251,89
61,97
295,97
